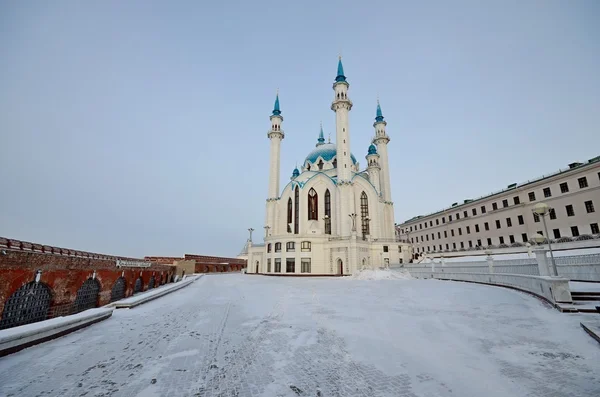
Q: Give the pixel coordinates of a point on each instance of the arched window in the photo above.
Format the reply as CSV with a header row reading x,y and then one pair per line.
x,y
334,163
327,212
289,211
296,210
364,213
308,167
320,164
313,205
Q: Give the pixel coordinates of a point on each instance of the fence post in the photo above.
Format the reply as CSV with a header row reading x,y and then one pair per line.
x,y
490,261
542,261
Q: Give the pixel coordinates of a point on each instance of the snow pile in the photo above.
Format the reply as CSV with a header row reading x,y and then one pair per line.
x,y
381,274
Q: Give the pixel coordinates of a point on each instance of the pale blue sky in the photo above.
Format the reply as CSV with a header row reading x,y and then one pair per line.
x,y
139,128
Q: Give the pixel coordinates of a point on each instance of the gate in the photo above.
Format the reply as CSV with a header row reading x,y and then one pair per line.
x,y
151,282
28,304
138,285
118,290
87,296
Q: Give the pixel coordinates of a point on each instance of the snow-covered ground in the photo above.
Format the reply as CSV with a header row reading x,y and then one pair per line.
x,y
238,335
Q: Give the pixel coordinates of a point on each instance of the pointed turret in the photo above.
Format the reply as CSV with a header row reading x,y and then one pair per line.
x,y
276,110
340,71
321,139
379,116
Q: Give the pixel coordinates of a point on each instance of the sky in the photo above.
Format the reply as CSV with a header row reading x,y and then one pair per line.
x,y
139,127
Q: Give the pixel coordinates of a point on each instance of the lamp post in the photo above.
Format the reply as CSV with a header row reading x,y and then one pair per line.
x,y
542,209
250,230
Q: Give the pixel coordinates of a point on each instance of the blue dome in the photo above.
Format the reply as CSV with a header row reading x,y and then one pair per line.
x,y
372,149
295,173
327,151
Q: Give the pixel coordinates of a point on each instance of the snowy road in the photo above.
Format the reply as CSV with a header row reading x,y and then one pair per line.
x,y
237,335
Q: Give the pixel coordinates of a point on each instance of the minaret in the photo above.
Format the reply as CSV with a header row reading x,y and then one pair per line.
x,y
321,140
381,140
373,168
341,105
275,134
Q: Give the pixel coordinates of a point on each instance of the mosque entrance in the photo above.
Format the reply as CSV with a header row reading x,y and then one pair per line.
x,y
341,267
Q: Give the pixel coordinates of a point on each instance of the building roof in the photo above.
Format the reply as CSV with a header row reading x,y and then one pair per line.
x,y
327,151
572,167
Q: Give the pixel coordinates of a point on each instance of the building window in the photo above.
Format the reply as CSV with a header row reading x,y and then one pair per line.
x,y
589,206
290,246
425,224
465,214
594,227
457,216
400,248
479,242
430,223
305,246
552,213
468,230
574,231
297,211
268,265
511,238
269,247
476,228
501,238
486,226
497,223
489,241
277,247
452,232
582,182
305,265
483,209
447,246
462,244
439,235
385,248
504,203
459,231
427,237
277,265
445,234
443,219
328,212
508,222
517,200
289,213
494,206
564,187
540,232
421,238
547,192
437,221
470,244
556,233
421,226
290,265
531,196
320,164
427,248
440,250
432,237
570,211
449,218
536,217
364,213
453,245
474,210
313,205
521,220
524,237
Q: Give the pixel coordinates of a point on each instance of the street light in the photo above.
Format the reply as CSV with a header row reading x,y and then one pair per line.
x,y
542,209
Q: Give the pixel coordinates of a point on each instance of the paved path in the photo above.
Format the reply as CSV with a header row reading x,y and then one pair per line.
x,y
236,335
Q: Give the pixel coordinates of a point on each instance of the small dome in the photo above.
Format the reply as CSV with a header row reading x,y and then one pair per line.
x,y
296,173
372,149
327,152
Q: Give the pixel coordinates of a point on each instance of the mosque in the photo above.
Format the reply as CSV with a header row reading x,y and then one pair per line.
x,y
332,218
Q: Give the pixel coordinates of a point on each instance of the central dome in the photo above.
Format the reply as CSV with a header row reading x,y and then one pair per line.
x,y
327,151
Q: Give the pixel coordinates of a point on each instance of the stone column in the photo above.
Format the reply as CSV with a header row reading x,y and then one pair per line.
x,y
542,261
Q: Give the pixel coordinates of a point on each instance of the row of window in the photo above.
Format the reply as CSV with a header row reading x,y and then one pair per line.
x,y
290,265
589,207
564,188
290,246
511,239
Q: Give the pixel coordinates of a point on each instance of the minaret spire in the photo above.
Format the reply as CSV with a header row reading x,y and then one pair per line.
x,y
276,135
321,139
381,140
276,110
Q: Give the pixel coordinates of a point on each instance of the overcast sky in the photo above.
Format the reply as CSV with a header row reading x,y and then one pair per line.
x,y
139,128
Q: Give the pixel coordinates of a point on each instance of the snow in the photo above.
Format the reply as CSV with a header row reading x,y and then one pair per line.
x,y
521,255
579,286
381,274
156,292
233,334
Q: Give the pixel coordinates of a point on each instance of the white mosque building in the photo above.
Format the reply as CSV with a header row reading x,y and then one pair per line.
x,y
332,218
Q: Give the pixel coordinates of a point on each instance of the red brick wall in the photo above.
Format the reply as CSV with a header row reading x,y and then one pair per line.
x,y
65,273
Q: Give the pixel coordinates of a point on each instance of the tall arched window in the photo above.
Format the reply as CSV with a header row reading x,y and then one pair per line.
x,y
296,210
327,212
289,211
313,205
320,164
364,213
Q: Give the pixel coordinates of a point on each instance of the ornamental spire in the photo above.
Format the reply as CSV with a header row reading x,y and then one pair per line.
x,y
276,110
379,116
321,139
340,71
